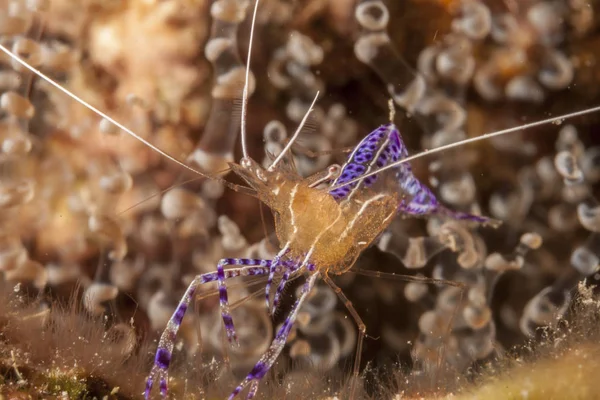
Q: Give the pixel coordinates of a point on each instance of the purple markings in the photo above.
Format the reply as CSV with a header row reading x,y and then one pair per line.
x,y
228,321
289,321
340,193
362,157
223,300
221,278
180,312
163,387
149,384
421,200
163,358
235,392
259,371
369,180
279,291
272,271
275,266
286,327
223,295
209,277
164,353
351,171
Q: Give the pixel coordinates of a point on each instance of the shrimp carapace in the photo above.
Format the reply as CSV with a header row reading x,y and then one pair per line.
x,y
327,233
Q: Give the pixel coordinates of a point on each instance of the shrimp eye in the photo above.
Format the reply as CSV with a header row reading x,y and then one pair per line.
x,y
335,170
245,162
261,175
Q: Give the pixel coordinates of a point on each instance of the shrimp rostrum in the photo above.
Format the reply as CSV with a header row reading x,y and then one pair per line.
x,y
323,223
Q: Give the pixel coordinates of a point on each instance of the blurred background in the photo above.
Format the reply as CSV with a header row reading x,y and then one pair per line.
x,y
100,235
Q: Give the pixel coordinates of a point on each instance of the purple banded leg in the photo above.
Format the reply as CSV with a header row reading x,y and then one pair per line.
x,y
253,389
268,359
284,279
167,340
223,298
274,265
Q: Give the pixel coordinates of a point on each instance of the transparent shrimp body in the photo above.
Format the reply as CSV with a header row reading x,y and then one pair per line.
x,y
318,228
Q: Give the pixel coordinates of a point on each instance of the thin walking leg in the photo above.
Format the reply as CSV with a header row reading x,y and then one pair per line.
x,y
266,361
223,298
167,340
274,264
288,276
407,278
209,293
199,297
284,280
362,329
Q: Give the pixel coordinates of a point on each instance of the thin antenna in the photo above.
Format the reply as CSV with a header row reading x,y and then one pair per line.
x,y
157,194
295,136
107,117
392,109
246,85
471,140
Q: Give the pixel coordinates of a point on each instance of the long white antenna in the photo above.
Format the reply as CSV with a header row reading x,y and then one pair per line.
x,y
295,136
103,115
472,140
246,85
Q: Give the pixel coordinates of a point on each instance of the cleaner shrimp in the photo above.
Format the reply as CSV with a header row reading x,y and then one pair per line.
x,y
323,223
